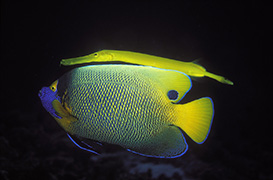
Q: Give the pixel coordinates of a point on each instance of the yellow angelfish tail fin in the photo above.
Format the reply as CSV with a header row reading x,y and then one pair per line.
x,y
195,118
218,78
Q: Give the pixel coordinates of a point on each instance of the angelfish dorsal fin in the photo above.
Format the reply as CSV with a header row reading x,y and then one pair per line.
x,y
170,81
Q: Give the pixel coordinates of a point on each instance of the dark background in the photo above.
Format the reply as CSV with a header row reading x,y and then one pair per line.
x,y
233,38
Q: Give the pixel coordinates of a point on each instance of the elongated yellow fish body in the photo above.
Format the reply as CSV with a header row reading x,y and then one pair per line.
x,y
134,107
189,68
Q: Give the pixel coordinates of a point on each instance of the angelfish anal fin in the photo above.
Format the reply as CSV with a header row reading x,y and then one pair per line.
x,y
169,143
81,144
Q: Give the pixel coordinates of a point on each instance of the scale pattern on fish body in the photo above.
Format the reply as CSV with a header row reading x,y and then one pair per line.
x,y
117,108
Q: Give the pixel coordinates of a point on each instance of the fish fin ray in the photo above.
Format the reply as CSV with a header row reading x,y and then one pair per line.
x,y
89,148
196,118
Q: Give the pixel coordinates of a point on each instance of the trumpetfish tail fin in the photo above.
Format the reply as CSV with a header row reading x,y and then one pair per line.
x,y
218,78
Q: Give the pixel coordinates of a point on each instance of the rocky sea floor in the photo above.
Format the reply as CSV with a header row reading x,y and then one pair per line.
x,y
33,146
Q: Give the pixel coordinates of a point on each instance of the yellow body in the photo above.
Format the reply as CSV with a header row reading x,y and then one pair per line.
x,y
131,106
188,68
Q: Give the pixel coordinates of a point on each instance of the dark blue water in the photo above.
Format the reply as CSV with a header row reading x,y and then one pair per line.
x,y
231,38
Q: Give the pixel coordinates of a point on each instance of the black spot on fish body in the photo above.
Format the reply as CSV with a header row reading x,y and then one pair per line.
x,y
172,94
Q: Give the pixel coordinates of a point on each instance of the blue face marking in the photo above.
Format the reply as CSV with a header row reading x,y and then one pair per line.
x,y
47,96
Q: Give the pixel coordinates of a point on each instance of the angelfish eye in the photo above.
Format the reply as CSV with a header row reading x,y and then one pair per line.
x,y
53,86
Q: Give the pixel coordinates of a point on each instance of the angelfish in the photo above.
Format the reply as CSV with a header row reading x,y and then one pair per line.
x,y
131,106
190,68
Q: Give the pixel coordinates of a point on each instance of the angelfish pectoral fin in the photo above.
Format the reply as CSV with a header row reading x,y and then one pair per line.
x,y
59,109
65,117
88,147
